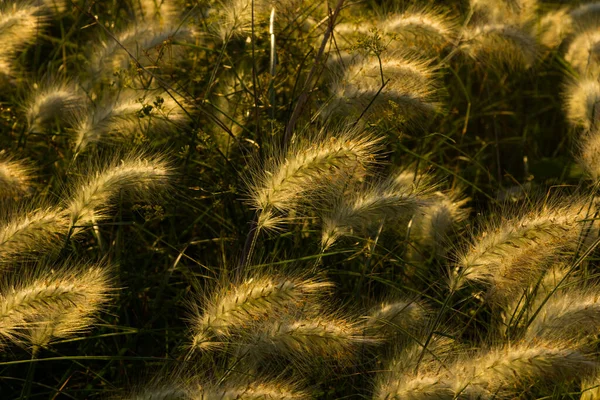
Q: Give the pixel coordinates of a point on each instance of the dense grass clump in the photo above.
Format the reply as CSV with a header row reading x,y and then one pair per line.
x,y
299,199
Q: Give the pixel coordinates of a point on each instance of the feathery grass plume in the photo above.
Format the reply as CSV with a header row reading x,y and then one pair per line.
x,y
368,207
583,53
259,390
568,315
517,12
126,114
519,311
553,27
308,167
582,100
511,254
433,223
139,176
236,307
400,380
589,153
20,23
30,231
56,102
423,29
168,391
411,85
325,336
147,43
44,305
500,44
506,371
391,318
15,177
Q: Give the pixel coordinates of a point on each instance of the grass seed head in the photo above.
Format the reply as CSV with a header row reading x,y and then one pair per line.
x,y
46,305
236,307
307,169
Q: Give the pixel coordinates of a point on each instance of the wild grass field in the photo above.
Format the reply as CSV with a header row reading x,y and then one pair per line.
x,y
299,199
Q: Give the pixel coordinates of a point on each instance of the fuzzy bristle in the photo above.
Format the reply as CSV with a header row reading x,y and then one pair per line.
x,y
367,207
509,255
137,175
127,114
307,168
236,307
582,99
408,82
52,304
55,103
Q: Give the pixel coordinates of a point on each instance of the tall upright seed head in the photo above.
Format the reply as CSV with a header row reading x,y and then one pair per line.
x,y
306,169
511,254
52,304
589,155
236,307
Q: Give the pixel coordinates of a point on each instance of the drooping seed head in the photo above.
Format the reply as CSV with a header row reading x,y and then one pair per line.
x,y
307,169
582,102
509,255
136,175
52,104
236,307
46,305
409,82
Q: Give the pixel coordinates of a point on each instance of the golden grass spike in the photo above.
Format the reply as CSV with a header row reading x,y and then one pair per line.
x,y
15,177
391,318
324,336
582,99
39,307
409,82
500,45
307,169
510,255
368,207
55,102
20,24
137,175
235,308
126,114
265,390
